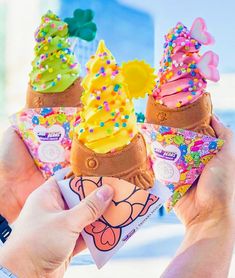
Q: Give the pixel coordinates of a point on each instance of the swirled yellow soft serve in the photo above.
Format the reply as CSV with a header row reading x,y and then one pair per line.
x,y
108,121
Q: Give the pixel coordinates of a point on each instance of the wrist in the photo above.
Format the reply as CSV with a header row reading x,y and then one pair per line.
x,y
10,206
216,226
224,216
210,244
16,259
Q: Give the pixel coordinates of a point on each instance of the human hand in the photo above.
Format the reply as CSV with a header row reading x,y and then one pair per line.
x,y
212,199
207,210
19,175
45,235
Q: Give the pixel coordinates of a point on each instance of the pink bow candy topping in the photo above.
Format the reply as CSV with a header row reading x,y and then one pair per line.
x,y
183,71
199,32
207,66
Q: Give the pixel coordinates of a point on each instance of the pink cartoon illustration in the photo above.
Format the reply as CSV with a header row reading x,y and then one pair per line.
x,y
129,203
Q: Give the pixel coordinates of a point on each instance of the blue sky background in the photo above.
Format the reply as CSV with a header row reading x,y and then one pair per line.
x,y
220,19
129,32
120,27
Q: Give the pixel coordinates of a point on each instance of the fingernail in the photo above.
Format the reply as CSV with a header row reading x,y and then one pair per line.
x,y
104,193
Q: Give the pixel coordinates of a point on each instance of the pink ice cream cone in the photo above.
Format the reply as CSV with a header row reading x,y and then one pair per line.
x,y
181,89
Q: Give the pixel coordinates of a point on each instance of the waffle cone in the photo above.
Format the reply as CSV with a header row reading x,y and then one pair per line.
x,y
195,116
69,98
131,163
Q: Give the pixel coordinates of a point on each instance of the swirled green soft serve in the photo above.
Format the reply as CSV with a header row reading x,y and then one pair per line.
x,y
55,67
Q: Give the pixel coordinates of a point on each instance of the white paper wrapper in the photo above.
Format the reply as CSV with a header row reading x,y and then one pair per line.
x,y
130,209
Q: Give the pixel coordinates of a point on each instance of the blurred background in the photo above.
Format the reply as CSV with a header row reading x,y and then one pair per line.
x,y
132,29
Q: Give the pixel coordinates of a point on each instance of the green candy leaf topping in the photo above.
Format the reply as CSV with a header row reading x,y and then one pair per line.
x,y
81,25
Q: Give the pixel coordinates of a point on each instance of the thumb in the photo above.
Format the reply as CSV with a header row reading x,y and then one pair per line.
x,y
90,208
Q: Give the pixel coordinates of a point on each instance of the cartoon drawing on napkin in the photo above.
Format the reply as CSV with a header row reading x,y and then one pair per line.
x,y
127,205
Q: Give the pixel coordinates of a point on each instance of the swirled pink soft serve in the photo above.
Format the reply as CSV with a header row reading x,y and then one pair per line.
x,y
183,73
